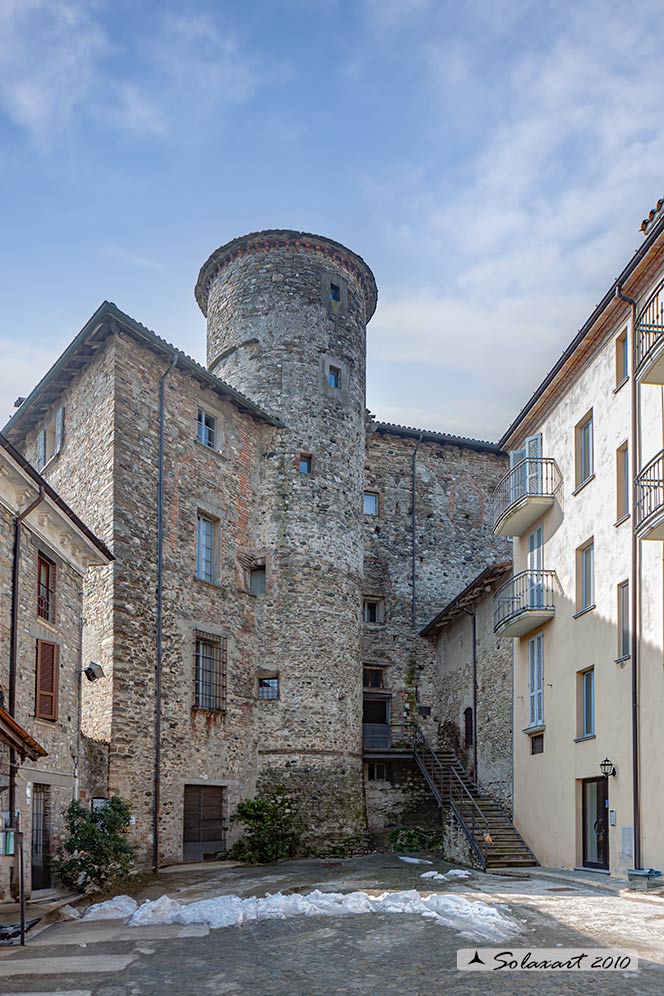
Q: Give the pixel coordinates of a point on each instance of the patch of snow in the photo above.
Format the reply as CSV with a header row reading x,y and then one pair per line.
x,y
434,876
117,908
472,919
414,861
458,873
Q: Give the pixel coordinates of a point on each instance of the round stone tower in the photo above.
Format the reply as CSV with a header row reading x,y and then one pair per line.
x,y
287,315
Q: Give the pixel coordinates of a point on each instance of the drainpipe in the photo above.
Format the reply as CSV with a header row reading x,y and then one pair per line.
x,y
473,619
160,550
13,639
79,704
636,804
413,497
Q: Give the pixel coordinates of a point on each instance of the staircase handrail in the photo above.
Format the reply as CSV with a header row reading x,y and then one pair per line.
x,y
480,824
421,745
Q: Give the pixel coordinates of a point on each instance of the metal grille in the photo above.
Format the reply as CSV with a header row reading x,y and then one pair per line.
x,y
45,589
268,688
649,326
210,670
527,590
531,477
650,489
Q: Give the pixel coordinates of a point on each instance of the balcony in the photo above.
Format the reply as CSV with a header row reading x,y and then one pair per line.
x,y
650,500
386,739
649,340
524,494
524,602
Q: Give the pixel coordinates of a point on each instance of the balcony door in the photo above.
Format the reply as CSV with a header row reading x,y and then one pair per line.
x,y
535,566
534,464
376,721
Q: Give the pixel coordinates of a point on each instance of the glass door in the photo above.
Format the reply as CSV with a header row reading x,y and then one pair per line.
x,y
596,823
535,576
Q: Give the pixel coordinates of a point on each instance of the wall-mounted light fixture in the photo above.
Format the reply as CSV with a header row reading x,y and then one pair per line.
x,y
607,768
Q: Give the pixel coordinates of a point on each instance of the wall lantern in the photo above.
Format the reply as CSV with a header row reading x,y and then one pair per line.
x,y
607,767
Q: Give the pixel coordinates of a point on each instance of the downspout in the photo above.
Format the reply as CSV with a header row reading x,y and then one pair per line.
x,y
636,804
79,704
473,618
13,637
158,654
413,498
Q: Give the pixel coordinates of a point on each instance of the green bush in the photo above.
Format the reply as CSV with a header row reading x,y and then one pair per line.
x,y
271,829
95,851
413,839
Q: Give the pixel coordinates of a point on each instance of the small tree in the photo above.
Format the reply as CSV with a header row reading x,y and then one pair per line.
x,y
272,832
95,851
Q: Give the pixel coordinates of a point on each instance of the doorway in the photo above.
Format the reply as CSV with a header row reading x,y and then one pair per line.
x,y
41,873
203,831
376,722
595,817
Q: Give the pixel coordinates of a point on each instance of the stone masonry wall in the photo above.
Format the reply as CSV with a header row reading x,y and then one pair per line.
x,y
494,697
274,331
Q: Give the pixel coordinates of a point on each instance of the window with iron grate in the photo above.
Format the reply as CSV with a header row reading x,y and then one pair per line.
x,y
210,666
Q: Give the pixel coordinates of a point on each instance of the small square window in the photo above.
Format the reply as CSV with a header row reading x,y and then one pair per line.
x,y
305,463
257,580
373,611
334,377
335,292
373,677
207,429
378,771
268,688
370,503
537,744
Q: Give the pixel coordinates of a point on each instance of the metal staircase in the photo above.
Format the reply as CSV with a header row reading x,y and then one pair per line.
x,y
491,834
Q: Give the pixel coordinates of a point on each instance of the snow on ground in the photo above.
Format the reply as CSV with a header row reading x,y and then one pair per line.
x,y
452,873
472,919
414,861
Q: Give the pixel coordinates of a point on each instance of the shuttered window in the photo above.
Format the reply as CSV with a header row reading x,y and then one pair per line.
x,y
536,680
46,705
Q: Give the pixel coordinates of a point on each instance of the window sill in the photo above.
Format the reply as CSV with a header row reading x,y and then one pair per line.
x,y
582,485
208,584
588,736
380,625
48,624
209,449
532,731
623,519
621,384
215,712
582,612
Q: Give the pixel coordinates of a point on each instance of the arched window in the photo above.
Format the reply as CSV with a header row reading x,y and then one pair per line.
x,y
468,727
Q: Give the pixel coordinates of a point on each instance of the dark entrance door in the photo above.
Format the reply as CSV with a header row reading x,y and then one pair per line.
x,y
596,822
41,875
203,821
376,722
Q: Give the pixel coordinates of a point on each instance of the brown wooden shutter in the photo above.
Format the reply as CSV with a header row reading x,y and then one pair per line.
x,y
46,706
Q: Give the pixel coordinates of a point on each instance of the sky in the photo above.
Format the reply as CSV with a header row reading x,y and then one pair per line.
x,y
491,160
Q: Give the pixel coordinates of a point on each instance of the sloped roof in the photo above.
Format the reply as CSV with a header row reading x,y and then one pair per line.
x,y
470,594
13,734
106,320
431,436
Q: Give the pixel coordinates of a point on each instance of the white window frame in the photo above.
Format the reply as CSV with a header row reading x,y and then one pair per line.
x,y
587,576
536,680
206,548
205,434
588,703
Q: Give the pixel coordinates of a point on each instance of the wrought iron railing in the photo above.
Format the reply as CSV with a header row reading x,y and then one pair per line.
x,y
526,590
45,602
532,477
649,327
650,490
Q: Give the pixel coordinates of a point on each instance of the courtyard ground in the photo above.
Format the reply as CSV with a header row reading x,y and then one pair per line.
x,y
367,953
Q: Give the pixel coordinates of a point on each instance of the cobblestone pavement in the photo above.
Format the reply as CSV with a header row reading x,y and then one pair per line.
x,y
366,954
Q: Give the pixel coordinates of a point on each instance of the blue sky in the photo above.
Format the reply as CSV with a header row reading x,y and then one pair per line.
x,y
491,161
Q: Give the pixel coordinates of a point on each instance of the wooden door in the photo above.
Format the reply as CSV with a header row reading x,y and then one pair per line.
x,y
203,831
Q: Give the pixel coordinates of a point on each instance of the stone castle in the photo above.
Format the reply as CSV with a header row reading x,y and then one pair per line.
x,y
277,551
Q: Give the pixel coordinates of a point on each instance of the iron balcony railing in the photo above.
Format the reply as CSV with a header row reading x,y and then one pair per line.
x,y
649,327
528,590
532,477
650,490
387,736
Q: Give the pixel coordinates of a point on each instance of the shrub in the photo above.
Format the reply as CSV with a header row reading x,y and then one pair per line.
x,y
414,839
95,851
271,829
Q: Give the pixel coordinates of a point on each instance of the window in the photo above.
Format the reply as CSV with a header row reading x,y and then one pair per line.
x,y
378,771
468,737
335,292
257,579
210,673
305,463
622,358
334,377
45,588
49,440
46,704
584,449
536,680
587,703
372,677
374,611
622,482
207,429
206,549
268,688
624,648
370,503
537,744
585,576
